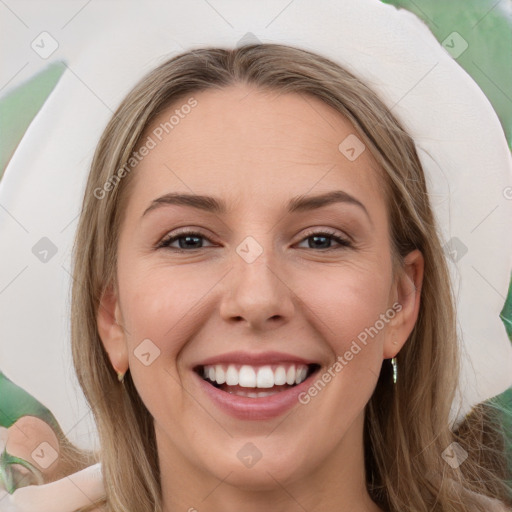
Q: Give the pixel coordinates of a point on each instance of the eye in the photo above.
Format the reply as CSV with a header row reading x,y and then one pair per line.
x,y
321,238
192,240
186,240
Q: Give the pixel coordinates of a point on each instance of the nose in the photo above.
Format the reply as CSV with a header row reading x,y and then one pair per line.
x,y
257,294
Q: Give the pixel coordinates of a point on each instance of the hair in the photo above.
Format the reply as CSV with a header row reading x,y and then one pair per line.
x,y
407,425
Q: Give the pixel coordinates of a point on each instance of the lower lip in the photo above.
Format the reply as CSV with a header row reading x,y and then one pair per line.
x,y
263,408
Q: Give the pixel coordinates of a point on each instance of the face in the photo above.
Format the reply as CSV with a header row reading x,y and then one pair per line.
x,y
271,278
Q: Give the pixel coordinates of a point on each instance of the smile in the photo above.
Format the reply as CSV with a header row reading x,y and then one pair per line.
x,y
255,392
234,378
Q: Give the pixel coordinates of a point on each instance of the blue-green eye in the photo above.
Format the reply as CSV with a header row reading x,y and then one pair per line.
x,y
192,240
320,238
187,240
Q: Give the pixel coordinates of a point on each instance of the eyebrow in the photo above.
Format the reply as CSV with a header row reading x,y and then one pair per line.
x,y
296,204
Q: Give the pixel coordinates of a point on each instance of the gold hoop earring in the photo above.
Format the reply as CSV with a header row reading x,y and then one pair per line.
x,y
395,369
120,375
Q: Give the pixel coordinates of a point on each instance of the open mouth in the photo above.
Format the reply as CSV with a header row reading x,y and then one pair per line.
x,y
256,381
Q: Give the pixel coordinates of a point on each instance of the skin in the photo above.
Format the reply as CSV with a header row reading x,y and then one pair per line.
x,y
28,439
255,151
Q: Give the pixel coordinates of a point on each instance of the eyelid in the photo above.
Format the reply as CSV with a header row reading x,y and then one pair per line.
x,y
328,231
179,232
341,238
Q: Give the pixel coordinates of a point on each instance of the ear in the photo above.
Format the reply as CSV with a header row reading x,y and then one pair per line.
x,y
407,292
112,334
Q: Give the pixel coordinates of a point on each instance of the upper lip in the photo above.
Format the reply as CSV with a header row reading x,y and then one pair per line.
x,y
255,359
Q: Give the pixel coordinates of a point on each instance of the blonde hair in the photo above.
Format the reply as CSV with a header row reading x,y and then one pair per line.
x,y
407,424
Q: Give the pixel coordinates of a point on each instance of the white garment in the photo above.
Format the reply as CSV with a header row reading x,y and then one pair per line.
x,y
66,495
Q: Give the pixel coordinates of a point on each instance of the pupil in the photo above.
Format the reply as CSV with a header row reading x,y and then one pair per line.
x,y
321,238
186,239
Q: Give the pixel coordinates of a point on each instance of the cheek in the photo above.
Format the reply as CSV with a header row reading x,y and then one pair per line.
x,y
156,305
347,310
161,303
348,302
155,297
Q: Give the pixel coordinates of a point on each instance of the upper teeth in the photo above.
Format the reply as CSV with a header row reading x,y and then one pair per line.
x,y
248,376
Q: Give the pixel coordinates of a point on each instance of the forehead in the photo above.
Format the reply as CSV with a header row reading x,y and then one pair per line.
x,y
251,145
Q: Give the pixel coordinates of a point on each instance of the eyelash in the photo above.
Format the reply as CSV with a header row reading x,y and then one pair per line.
x,y
165,243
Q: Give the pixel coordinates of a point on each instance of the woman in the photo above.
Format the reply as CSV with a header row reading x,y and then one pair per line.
x,y
205,269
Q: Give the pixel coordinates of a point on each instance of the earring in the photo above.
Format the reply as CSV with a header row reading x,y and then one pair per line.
x,y
395,369
120,375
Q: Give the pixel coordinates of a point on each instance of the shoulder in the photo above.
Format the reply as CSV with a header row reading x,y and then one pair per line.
x,y
490,504
493,505
499,507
